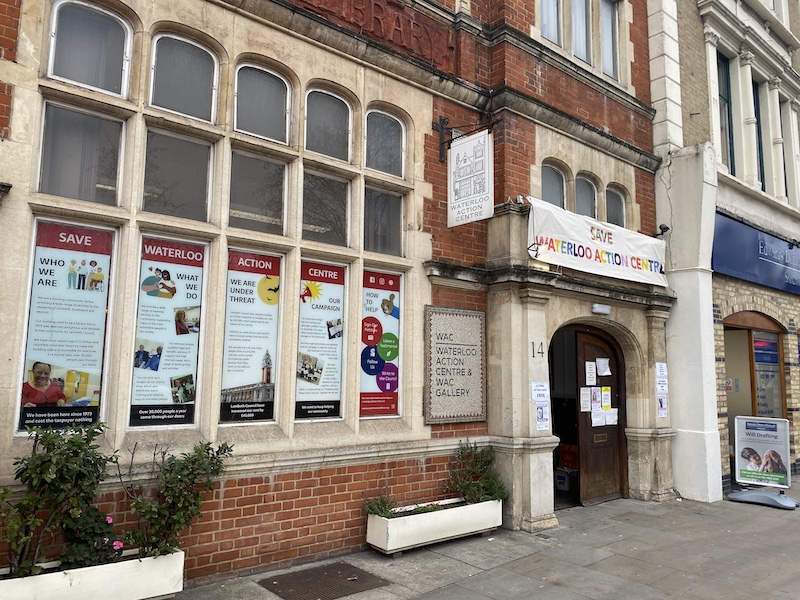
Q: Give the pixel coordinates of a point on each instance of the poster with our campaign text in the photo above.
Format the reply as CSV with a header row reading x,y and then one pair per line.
x,y
164,357
319,356
251,337
380,344
63,368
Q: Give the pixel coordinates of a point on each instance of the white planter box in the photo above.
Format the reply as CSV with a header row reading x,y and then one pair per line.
x,y
401,533
132,579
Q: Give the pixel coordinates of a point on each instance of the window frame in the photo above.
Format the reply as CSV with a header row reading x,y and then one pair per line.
x,y
760,150
127,47
556,27
401,199
586,30
403,142
725,98
84,111
209,174
348,212
561,173
288,98
350,121
590,181
613,34
623,205
214,80
284,194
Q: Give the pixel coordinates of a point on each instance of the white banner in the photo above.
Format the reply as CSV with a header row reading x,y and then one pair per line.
x,y
470,179
559,237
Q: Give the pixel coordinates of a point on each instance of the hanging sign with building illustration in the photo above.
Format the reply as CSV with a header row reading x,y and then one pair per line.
x,y
66,326
380,344
470,179
167,333
560,237
319,342
251,337
455,380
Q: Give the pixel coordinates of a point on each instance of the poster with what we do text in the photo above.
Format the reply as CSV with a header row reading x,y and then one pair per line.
x,y
167,333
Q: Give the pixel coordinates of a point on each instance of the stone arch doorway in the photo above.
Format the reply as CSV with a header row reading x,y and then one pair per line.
x,y
587,388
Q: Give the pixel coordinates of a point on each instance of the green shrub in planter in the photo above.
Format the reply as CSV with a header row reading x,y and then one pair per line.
x,y
168,509
472,475
60,478
89,534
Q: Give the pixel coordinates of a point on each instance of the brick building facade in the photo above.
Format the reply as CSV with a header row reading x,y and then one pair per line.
x,y
208,137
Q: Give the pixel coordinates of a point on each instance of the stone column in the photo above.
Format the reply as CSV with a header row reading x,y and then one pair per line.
x,y
650,436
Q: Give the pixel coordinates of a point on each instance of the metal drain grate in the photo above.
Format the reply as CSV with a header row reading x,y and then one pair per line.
x,y
327,582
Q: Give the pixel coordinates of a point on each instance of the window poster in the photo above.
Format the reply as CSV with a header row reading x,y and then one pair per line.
x,y
66,326
251,337
766,363
167,333
319,344
380,344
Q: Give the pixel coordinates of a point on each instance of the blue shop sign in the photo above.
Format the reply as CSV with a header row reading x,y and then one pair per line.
x,y
747,253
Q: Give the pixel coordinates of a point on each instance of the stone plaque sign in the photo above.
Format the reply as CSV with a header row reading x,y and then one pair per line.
x,y
455,377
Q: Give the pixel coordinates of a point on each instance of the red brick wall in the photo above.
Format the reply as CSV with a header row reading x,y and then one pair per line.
x,y
258,523
9,32
646,199
9,28
6,91
464,245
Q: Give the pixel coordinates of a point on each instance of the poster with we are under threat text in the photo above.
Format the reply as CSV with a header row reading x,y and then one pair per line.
x,y
164,358
251,337
63,368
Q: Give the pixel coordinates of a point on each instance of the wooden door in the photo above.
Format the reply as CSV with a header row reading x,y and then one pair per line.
x,y
602,451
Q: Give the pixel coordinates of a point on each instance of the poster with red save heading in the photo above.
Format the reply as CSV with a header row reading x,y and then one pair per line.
x,y
63,368
380,344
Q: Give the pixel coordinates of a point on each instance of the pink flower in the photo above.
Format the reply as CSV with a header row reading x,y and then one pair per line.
x,y
118,545
109,519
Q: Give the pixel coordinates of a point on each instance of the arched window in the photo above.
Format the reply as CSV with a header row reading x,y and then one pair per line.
x,y
585,197
385,143
90,47
328,119
184,78
553,185
262,103
615,207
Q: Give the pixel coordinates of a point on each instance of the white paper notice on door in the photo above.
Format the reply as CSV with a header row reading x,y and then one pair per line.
x,y
586,399
598,418
591,373
612,416
603,367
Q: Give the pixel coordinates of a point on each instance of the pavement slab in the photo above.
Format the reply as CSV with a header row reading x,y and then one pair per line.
x,y
620,550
